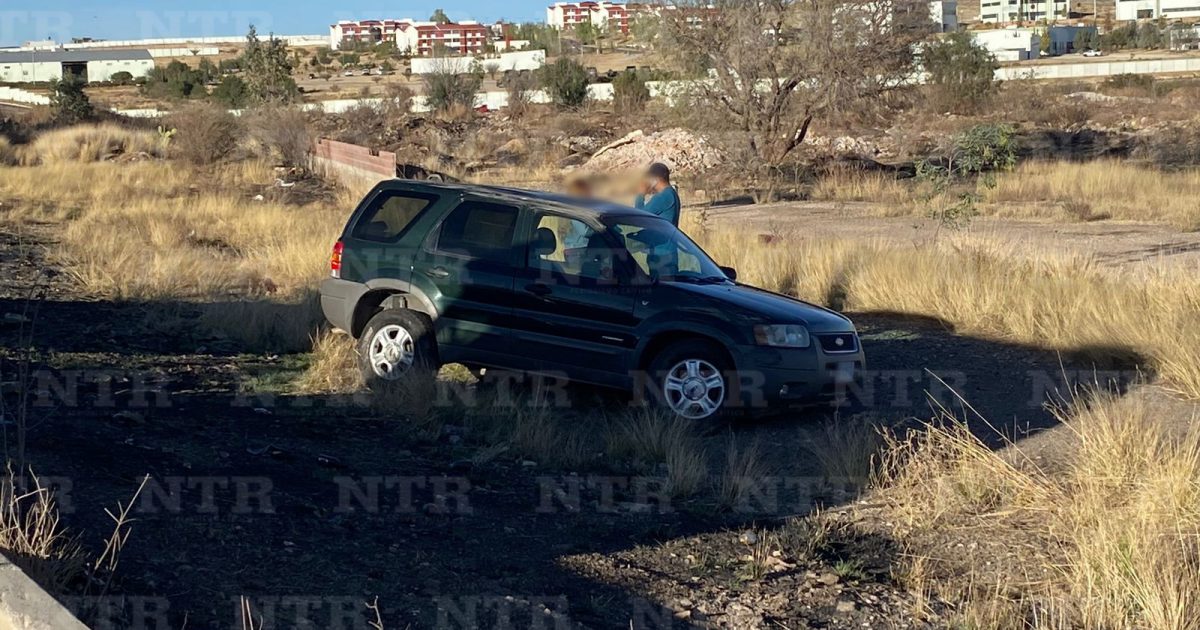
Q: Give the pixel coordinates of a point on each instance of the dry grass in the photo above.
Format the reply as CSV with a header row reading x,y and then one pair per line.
x,y
8,153
91,143
333,368
31,536
652,437
1108,541
1064,191
1063,304
167,233
1111,188
744,470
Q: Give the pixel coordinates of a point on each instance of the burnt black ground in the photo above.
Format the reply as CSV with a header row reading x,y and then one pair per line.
x,y
269,497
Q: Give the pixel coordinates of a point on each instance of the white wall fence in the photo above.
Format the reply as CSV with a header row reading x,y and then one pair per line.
x,y
24,97
1098,69
208,51
191,42
523,60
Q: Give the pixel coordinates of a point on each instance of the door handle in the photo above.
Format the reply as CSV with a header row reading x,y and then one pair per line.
x,y
437,272
538,289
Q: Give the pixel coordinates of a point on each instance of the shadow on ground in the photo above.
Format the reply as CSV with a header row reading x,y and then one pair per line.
x,y
311,507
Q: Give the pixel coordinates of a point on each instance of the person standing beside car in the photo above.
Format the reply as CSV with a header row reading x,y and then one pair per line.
x,y
658,196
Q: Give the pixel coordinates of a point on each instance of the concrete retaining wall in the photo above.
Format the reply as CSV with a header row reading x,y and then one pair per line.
x,y
1098,69
25,606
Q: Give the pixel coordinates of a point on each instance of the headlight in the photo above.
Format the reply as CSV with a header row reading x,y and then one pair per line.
x,y
782,336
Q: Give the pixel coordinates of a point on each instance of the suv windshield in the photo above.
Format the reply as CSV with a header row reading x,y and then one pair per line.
x,y
662,252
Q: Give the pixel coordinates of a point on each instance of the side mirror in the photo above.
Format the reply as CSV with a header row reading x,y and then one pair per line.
x,y
730,273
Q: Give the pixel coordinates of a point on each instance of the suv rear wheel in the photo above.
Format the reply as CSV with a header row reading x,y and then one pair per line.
x,y
691,379
394,343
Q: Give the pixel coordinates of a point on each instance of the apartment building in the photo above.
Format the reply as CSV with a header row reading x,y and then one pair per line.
x,y
1154,9
347,33
613,16
1013,11
424,39
944,13
418,38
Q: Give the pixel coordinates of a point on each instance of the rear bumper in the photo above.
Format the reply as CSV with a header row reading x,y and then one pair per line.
x,y
338,299
769,376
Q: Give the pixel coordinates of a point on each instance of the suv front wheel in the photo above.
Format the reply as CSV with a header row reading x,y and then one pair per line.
x,y
691,379
393,344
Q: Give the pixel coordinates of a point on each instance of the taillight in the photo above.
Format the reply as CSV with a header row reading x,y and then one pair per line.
x,y
335,260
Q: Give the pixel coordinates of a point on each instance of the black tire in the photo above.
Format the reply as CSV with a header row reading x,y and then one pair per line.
x,y
709,354
423,346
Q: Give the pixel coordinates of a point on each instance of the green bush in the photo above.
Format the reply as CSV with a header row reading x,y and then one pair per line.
x,y
961,72
445,88
176,80
122,78
566,82
68,102
232,92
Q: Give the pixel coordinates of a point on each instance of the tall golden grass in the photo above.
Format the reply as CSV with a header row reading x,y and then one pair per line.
x,y
91,143
1058,303
1106,539
1066,191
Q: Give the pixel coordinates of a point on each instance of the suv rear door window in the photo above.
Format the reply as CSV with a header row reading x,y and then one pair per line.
x,y
478,230
390,213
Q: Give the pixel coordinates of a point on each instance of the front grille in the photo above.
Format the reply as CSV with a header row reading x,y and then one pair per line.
x,y
840,343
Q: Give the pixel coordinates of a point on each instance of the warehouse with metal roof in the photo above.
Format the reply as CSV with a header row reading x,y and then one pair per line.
x,y
93,66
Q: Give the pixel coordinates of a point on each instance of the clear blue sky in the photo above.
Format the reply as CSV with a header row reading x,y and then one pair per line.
x,y
24,20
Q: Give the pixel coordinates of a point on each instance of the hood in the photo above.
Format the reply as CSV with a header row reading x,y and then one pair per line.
x,y
764,307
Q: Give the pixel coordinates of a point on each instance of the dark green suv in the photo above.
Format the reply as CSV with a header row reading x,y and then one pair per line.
x,y
426,274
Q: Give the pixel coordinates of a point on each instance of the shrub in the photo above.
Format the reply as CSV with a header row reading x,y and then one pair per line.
x,y
68,102
284,133
446,88
176,80
122,78
566,81
204,134
961,72
232,92
1129,82
519,88
629,92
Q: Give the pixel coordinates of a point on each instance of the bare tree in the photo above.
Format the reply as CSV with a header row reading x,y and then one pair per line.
x,y
776,66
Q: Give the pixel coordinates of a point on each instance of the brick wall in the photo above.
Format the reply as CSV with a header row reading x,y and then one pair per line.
x,y
359,158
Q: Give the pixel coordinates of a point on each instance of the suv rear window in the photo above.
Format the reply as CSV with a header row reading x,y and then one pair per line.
x,y
479,230
390,213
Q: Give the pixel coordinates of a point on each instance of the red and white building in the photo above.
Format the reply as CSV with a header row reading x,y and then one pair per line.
x,y
423,39
612,16
365,31
417,38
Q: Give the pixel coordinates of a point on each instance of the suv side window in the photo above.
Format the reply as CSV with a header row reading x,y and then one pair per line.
x,y
478,230
390,213
559,244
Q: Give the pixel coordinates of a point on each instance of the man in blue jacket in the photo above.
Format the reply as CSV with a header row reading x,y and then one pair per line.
x,y
658,195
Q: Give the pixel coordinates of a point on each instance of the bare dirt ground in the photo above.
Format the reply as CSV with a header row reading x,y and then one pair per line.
x,y
312,506
1118,244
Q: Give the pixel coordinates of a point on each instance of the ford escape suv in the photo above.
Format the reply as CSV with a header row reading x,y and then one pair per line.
x,y
426,274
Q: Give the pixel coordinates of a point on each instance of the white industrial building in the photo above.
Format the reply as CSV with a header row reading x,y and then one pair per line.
x,y
1007,11
1154,9
1011,44
93,66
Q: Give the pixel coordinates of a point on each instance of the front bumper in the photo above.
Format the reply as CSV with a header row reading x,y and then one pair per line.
x,y
768,376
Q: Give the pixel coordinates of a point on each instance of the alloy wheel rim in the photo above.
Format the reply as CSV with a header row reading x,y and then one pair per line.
x,y
392,352
694,389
